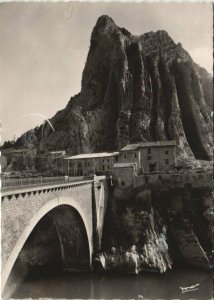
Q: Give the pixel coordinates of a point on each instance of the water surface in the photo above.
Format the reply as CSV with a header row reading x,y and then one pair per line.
x,y
57,284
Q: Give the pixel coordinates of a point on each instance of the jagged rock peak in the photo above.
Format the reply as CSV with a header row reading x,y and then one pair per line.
x,y
136,88
104,20
105,23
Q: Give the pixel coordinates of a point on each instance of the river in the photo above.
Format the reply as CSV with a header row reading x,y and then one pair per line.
x,y
57,284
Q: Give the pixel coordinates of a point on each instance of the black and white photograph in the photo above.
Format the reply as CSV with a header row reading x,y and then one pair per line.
x,y
106,150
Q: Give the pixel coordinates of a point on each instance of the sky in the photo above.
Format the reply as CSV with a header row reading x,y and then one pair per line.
x,y
43,49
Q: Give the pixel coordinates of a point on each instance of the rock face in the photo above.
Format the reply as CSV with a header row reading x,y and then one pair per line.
x,y
155,228
135,88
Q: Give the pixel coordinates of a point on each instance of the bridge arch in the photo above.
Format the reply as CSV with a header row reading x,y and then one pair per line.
x,y
45,209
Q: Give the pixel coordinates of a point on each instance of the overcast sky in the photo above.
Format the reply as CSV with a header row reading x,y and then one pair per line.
x,y
43,49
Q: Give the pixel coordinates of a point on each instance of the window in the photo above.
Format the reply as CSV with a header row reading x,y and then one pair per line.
x,y
124,156
166,161
149,150
166,152
135,155
108,167
103,168
116,158
149,157
103,160
123,183
108,160
152,167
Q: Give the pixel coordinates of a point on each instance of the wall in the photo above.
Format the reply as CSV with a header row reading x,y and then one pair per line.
x,y
158,156
123,176
176,180
130,157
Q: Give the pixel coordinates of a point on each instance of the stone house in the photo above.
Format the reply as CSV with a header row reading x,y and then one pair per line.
x,y
143,158
157,156
130,154
124,173
90,163
150,156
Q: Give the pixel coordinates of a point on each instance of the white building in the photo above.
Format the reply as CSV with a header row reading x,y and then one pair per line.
x,y
90,163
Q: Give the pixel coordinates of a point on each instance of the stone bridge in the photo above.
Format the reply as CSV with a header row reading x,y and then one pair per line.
x,y
76,209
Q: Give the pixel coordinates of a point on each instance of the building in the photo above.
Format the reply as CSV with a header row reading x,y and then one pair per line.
x,y
54,162
3,162
19,159
157,156
90,163
130,154
143,158
150,156
123,173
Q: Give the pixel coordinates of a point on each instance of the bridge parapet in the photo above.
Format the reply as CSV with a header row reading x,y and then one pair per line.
x,y
34,189
14,183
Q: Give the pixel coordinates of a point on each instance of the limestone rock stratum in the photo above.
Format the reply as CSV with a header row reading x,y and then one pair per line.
x,y
135,88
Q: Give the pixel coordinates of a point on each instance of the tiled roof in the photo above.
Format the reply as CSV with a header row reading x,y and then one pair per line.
x,y
132,147
124,165
93,155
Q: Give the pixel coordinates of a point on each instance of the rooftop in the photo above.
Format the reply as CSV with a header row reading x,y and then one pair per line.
x,y
57,152
130,147
11,151
133,147
93,155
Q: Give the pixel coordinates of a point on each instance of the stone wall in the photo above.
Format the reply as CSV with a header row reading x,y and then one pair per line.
x,y
177,180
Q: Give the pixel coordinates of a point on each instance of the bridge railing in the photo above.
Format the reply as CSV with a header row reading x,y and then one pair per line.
x,y
15,183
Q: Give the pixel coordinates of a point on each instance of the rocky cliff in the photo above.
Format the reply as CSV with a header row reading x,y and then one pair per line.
x,y
135,88
152,228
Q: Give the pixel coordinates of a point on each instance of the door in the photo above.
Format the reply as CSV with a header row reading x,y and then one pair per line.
x,y
152,167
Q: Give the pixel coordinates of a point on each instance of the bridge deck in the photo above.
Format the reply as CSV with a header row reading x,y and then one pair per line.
x,y
36,187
